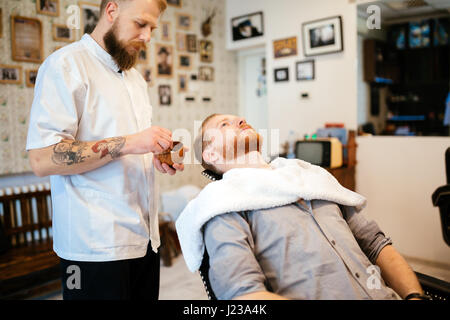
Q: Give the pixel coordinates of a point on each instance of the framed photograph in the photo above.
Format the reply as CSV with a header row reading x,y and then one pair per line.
x,y
90,13
305,70
10,74
30,78
184,21
26,39
48,7
175,3
147,74
62,33
285,47
206,73
182,82
165,95
164,54
165,31
142,57
206,51
191,43
281,74
181,41
184,61
247,26
322,36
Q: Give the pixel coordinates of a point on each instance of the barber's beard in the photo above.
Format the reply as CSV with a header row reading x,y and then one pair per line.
x,y
118,49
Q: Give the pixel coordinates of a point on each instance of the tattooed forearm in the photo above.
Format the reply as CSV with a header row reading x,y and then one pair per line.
x,y
111,146
69,152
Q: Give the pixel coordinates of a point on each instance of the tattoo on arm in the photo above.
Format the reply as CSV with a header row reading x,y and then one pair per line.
x,y
69,152
111,146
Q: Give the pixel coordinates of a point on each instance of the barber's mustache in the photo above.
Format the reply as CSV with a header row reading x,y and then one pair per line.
x,y
138,45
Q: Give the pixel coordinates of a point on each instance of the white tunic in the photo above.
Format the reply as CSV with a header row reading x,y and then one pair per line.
x,y
111,212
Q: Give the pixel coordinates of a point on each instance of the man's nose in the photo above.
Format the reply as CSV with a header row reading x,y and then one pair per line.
x,y
241,122
146,35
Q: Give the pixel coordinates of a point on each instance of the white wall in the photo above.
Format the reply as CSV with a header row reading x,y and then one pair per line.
x,y
333,92
398,176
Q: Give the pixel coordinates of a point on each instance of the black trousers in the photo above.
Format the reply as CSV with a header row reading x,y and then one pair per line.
x,y
132,279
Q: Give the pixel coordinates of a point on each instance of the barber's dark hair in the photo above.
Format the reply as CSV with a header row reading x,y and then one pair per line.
x,y
161,3
201,143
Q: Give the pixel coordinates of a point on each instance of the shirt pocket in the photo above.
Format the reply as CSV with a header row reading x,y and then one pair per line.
x,y
115,220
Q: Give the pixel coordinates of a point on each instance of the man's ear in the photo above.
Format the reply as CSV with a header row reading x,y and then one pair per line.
x,y
111,11
210,156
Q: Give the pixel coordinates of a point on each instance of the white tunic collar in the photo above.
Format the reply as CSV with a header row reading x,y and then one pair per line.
x,y
99,52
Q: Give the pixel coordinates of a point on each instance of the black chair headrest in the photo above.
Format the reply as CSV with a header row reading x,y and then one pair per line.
x,y
212,175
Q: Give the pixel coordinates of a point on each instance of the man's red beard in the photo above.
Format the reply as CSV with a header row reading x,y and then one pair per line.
x,y
242,148
118,49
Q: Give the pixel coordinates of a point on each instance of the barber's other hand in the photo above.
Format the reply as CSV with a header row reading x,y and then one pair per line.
x,y
165,168
154,139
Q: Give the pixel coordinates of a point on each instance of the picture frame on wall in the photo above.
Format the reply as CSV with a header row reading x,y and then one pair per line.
x,y
142,56
165,95
90,14
48,7
184,61
247,26
206,73
206,51
305,70
30,78
184,21
164,56
281,74
182,83
175,3
26,39
62,33
322,36
285,47
181,41
147,74
191,43
165,31
11,74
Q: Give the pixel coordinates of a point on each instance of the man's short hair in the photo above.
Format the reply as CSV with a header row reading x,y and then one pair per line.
x,y
162,4
201,143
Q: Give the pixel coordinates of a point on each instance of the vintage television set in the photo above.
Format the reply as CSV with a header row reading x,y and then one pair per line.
x,y
324,152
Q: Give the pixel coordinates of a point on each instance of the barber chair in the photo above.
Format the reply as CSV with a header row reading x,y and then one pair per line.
x,y
435,288
441,199
204,268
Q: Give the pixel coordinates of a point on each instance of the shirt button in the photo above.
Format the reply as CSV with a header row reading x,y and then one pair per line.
x,y
333,242
357,275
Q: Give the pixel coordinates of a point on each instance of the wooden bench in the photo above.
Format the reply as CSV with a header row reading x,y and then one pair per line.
x,y
29,267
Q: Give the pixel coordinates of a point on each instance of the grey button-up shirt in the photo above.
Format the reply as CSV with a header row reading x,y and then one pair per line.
x,y
306,250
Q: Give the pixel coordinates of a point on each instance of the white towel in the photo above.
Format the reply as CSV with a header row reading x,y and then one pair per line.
x,y
244,189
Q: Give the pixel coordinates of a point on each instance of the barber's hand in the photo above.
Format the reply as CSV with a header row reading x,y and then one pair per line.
x,y
154,139
165,168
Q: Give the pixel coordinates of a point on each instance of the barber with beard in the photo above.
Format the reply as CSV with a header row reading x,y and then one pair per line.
x,y
90,130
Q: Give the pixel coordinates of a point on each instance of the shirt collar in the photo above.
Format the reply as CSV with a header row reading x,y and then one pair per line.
x,y
99,52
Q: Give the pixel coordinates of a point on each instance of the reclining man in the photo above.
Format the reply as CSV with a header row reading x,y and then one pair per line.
x,y
284,230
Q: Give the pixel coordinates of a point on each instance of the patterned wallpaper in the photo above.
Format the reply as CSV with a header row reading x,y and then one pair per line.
x,y
16,99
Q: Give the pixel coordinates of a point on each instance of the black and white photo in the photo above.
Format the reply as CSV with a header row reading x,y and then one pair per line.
x,y
305,70
247,26
322,36
281,74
